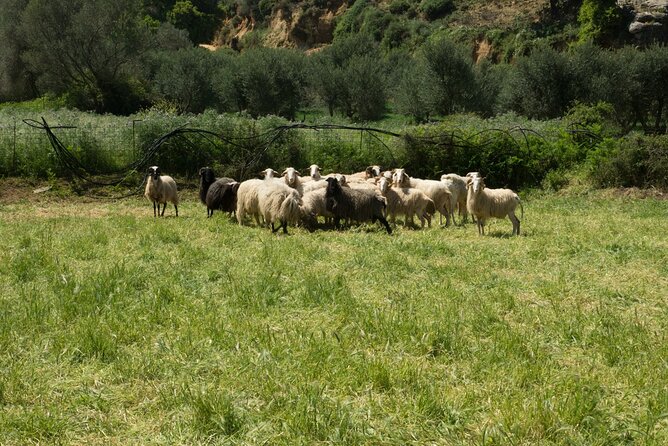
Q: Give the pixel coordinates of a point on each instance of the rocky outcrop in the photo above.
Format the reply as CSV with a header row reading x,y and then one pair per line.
x,y
648,19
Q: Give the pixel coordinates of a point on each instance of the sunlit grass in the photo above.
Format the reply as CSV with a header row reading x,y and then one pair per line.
x,y
118,328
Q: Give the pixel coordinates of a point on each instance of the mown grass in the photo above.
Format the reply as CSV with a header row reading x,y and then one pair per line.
x,y
116,328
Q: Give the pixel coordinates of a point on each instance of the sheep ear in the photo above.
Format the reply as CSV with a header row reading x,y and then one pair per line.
x,y
297,172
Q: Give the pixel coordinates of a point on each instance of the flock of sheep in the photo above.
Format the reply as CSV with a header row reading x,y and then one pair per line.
x,y
371,195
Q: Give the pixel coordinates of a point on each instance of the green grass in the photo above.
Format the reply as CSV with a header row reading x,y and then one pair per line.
x,y
116,328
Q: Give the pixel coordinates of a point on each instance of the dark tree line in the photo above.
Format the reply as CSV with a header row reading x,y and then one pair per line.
x,y
110,57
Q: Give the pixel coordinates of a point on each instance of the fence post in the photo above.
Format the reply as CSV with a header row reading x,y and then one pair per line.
x,y
14,150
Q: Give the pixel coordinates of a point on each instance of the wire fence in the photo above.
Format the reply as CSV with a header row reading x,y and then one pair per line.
x,y
26,149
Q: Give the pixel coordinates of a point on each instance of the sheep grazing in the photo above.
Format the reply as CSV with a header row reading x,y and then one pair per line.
x,y
457,187
406,201
222,196
314,204
278,202
161,189
247,200
356,204
484,203
432,188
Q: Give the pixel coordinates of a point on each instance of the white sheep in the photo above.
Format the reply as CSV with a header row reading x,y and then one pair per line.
x,y
268,173
161,189
314,185
457,187
314,174
247,200
314,205
484,203
432,188
406,201
278,202
292,179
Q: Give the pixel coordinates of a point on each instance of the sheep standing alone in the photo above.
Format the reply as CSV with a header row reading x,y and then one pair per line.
x,y
406,201
357,204
484,203
161,189
279,202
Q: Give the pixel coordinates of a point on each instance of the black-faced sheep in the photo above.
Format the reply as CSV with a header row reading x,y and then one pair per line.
x,y
279,203
484,203
161,189
356,204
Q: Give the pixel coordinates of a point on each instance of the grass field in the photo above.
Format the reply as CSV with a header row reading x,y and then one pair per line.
x,y
116,328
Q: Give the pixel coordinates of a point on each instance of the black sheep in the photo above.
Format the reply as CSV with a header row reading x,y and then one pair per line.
x,y
222,195
356,204
207,178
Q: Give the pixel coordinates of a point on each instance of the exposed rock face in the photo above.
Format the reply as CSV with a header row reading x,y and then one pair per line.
x,y
304,29
649,19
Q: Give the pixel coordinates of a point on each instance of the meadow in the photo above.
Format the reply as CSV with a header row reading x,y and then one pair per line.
x,y
118,328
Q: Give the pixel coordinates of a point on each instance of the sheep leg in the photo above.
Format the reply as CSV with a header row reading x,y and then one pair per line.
x,y
386,224
481,227
154,212
285,227
176,209
337,222
428,218
163,209
272,228
516,222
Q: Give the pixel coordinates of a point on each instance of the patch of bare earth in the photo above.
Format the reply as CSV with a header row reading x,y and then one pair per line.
x,y
500,13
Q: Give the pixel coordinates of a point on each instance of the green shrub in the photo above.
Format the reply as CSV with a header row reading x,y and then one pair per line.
x,y
599,20
635,160
434,9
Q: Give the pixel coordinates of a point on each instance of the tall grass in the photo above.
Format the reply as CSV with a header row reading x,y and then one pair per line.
x,y
119,328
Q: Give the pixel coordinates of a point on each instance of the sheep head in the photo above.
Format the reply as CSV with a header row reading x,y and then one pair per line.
x,y
291,176
476,184
154,172
372,171
400,177
383,184
268,173
333,186
207,175
314,171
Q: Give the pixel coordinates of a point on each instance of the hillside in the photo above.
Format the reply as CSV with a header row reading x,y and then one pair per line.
x,y
309,25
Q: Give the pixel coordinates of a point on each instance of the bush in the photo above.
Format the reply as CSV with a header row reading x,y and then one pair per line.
x,y
451,74
632,161
599,20
539,86
434,9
